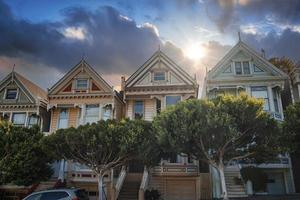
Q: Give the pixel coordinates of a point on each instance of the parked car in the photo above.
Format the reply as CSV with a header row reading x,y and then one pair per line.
x,y
59,194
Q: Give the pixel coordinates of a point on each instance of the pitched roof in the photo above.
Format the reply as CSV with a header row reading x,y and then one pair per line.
x,y
162,56
82,63
33,89
246,48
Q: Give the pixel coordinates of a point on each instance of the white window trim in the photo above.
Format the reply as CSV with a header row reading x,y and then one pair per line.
x,y
242,66
133,108
5,92
165,73
172,95
57,123
85,111
87,86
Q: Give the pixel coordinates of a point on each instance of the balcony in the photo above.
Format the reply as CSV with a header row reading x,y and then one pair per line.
x,y
176,169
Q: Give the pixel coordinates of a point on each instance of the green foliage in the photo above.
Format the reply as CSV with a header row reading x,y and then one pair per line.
x,y
106,144
224,129
257,176
291,128
23,158
152,194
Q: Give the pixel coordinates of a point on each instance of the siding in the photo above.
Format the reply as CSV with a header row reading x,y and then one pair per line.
x,y
73,116
149,109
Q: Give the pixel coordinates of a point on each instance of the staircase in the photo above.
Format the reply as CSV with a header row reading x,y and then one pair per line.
x,y
130,188
235,186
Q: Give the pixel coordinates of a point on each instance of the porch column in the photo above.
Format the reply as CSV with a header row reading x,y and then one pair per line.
x,y
61,170
271,99
100,111
82,116
248,90
298,86
26,119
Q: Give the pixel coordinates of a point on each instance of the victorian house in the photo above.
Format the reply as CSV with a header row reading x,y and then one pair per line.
x,y
22,102
81,96
244,70
157,84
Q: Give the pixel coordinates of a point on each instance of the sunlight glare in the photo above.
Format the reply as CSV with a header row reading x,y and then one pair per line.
x,y
194,52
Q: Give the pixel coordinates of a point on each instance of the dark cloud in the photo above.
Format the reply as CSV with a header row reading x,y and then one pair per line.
x,y
112,43
285,44
231,13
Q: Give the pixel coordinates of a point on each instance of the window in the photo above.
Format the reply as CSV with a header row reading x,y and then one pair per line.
x,y
11,94
238,68
172,100
54,195
261,93
63,118
158,106
33,120
275,96
19,119
92,114
242,68
107,112
82,84
138,109
159,76
246,67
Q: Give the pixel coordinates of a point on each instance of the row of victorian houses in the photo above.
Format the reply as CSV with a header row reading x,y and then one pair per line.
x,y
82,96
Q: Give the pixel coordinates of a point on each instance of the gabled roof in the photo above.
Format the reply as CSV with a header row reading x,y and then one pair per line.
x,y
244,47
70,74
159,56
31,89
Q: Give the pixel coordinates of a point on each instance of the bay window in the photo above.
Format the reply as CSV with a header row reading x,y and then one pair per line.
x,y
63,118
138,110
33,120
107,112
19,119
172,100
92,114
261,92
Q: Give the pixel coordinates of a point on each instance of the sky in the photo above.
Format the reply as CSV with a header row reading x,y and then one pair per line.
x,y
45,38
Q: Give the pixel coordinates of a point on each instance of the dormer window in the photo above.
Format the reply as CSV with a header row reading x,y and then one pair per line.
x,y
159,76
11,94
242,68
81,84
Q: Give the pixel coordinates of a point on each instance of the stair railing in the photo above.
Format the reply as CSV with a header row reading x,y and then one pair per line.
x,y
120,182
144,184
241,177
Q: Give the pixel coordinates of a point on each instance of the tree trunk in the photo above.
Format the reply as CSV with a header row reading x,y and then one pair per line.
x,y
100,187
223,183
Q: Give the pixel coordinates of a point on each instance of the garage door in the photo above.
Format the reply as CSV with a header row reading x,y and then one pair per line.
x,y
275,183
181,190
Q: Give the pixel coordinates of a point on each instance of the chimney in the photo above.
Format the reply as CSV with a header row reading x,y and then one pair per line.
x,y
122,83
263,53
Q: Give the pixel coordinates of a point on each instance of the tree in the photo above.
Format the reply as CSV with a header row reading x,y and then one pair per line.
x,y
291,127
286,65
104,145
220,131
23,158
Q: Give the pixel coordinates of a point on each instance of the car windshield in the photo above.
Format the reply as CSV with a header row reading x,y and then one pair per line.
x,y
81,195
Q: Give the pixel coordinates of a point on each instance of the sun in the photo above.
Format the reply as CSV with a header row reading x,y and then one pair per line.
x,y
194,52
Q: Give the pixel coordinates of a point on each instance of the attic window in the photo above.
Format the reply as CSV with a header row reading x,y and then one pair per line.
x,y
81,84
11,94
159,76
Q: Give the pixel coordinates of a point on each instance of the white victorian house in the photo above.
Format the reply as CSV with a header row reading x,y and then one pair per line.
x,y
244,70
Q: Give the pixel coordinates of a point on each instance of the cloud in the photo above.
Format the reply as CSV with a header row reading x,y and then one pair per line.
x,y
276,45
232,13
114,44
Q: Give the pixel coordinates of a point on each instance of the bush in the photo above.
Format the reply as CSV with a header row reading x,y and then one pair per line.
x,y
152,194
257,176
